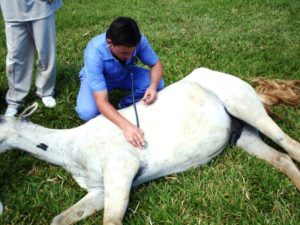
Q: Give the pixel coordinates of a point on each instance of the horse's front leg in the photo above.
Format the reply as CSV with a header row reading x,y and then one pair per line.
x,y
118,172
89,204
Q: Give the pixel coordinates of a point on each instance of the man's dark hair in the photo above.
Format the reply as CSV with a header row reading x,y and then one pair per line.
x,y
124,31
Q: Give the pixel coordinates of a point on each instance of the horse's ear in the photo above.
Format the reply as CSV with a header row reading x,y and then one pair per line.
x,y
29,110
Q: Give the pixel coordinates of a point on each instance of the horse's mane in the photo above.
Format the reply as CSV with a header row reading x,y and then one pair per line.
x,y
277,92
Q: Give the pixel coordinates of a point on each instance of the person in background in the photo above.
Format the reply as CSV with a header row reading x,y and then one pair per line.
x,y
30,27
110,62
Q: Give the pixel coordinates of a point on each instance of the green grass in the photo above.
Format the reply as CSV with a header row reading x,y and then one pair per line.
x,y
242,37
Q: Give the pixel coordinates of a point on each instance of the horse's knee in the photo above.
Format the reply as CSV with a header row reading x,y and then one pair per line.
x,y
282,160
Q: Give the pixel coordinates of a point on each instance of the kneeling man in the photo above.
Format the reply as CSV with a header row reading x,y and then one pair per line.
x,y
110,62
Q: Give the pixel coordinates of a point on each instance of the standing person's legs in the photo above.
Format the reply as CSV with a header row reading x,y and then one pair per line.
x,y
141,81
86,107
44,35
19,64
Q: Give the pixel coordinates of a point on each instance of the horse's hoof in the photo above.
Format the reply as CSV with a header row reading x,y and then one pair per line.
x,y
1,208
57,220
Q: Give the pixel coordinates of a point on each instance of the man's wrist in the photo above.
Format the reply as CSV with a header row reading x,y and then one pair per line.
x,y
124,124
153,85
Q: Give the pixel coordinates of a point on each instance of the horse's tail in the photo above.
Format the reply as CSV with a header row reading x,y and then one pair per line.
x,y
276,92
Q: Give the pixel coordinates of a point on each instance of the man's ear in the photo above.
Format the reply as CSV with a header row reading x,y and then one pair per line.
x,y
109,42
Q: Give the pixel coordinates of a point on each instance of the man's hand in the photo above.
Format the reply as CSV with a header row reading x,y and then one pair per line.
x,y
150,95
134,135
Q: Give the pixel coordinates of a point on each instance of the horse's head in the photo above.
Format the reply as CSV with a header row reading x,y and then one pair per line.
x,y
7,129
9,126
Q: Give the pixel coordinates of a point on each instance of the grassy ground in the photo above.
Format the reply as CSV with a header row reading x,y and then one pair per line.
x,y
241,37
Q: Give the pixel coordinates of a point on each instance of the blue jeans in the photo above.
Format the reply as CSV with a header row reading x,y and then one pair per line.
x,y
86,106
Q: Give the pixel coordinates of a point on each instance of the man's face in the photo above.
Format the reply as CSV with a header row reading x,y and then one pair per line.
x,y
121,52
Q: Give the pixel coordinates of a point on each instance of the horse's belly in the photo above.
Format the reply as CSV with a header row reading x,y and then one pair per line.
x,y
190,148
191,132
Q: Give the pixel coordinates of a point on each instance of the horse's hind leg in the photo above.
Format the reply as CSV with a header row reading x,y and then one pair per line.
x,y
269,128
263,122
242,102
253,144
248,107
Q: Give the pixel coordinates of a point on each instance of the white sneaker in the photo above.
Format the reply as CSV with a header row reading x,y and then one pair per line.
x,y
11,111
49,101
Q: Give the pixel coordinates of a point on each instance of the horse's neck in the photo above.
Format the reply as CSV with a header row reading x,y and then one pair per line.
x,y
46,144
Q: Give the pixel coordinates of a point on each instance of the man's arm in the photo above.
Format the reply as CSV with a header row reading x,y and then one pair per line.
x,y
133,134
156,72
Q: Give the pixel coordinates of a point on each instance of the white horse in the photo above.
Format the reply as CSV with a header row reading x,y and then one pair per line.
x,y
189,124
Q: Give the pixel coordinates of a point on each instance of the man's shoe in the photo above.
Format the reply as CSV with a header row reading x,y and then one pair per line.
x,y
11,111
49,101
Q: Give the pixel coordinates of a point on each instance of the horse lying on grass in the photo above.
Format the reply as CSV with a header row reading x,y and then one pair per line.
x,y
190,123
